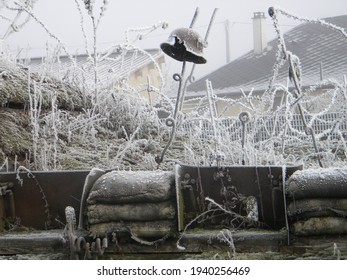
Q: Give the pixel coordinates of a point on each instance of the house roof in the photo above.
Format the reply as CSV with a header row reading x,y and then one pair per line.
x,y
113,66
317,47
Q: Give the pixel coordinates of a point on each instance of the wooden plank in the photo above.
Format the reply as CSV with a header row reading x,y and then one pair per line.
x,y
244,241
32,242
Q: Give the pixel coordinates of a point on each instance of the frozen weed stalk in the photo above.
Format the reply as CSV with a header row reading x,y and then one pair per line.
x,y
28,8
90,7
16,23
226,236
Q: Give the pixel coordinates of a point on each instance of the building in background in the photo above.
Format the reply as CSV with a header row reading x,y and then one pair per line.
x,y
122,69
322,53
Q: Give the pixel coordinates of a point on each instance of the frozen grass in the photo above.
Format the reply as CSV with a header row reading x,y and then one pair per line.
x,y
75,122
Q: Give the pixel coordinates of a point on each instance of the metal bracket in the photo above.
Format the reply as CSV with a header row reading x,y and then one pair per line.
x,y
7,208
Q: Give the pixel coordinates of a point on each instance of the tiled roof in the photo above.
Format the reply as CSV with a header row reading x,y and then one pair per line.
x,y
116,65
316,46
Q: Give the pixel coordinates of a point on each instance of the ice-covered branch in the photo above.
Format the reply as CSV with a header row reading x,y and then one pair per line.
x,y
142,32
30,12
311,20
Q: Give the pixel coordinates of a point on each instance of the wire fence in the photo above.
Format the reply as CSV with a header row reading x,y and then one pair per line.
x,y
262,128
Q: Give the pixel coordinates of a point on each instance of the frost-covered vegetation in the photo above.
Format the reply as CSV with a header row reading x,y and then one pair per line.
x,y
69,122
309,126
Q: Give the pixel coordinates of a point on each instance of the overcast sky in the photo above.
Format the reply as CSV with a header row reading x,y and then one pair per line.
x,y
62,19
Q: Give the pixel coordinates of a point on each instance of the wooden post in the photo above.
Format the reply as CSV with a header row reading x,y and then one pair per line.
x,y
2,213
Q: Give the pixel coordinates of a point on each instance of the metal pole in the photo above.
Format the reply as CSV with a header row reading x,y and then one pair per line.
x,y
171,122
227,40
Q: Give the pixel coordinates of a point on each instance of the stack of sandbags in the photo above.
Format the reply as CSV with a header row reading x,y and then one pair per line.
x,y
317,201
141,203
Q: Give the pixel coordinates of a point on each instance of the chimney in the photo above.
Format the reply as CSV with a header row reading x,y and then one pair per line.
x,y
259,34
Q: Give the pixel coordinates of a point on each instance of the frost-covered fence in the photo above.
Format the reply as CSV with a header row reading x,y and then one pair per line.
x,y
267,139
267,127
289,121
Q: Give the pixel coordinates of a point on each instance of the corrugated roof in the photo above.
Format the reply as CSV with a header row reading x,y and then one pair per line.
x,y
314,44
114,66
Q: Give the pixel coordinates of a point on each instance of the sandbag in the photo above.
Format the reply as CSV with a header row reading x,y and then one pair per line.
x,y
100,213
318,183
132,186
149,229
320,226
90,180
315,207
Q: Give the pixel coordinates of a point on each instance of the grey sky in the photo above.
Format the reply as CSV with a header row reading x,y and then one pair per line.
x,y
63,20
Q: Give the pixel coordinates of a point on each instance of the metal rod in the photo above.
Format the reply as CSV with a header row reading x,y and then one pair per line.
x,y
181,90
308,130
227,40
190,77
210,24
285,202
172,122
243,143
194,17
